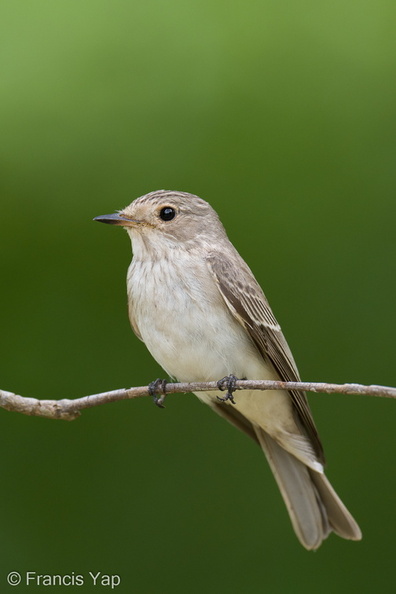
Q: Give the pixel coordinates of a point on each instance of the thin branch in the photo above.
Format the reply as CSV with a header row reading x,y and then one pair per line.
x,y
69,410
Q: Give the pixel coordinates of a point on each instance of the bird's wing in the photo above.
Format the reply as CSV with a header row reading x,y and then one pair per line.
x,y
249,306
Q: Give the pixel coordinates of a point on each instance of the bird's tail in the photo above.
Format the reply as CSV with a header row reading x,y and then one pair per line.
x,y
314,507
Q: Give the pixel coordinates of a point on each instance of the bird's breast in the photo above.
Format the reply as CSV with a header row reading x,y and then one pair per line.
x,y
184,321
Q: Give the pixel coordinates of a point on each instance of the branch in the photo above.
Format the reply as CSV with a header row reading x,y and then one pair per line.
x,y
69,410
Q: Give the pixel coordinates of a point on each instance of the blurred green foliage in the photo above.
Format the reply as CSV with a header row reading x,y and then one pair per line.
x,y
283,116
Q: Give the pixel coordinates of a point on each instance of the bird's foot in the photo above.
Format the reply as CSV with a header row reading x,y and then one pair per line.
x,y
156,386
227,383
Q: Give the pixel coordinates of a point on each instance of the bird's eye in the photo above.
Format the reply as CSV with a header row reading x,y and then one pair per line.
x,y
167,213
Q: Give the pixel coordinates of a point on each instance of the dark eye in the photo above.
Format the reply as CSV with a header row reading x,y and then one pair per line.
x,y
167,213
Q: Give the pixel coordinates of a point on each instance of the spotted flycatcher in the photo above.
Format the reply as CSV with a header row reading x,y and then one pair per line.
x,y
202,315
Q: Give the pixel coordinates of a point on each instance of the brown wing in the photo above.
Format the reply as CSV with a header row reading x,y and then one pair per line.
x,y
248,304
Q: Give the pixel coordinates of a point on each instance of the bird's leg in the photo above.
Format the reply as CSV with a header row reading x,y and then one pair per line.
x,y
227,383
156,386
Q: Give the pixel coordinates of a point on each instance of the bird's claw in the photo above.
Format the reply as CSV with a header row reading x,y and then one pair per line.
x,y
156,386
227,383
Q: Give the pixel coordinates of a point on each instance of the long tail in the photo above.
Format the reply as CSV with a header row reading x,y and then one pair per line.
x,y
314,507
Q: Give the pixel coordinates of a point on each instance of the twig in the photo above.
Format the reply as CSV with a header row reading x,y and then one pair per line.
x,y
69,410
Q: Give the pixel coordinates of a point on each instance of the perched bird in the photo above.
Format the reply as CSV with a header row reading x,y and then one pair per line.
x,y
202,315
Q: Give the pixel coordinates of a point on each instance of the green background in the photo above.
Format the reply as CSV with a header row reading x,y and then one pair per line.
x,y
283,116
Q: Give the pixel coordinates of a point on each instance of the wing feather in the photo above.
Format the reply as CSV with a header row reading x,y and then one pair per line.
x,y
248,304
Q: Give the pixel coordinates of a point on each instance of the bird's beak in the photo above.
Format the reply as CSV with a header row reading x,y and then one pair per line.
x,y
117,219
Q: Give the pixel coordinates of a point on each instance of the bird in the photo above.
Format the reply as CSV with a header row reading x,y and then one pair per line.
x,y
202,315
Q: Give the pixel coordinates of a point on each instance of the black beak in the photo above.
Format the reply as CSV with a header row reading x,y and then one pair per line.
x,y
116,219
